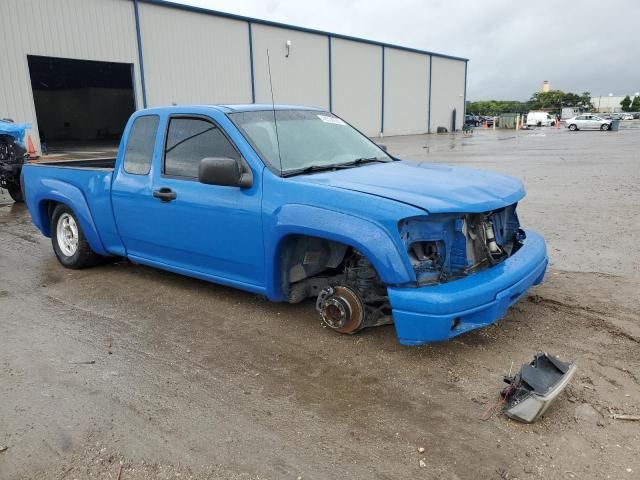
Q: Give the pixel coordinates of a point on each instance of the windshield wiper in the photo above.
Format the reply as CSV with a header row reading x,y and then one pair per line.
x,y
333,166
359,161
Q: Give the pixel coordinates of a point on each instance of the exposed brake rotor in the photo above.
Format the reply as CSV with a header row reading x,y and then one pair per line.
x,y
340,309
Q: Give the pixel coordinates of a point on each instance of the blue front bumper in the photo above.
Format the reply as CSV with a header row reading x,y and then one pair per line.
x,y
439,312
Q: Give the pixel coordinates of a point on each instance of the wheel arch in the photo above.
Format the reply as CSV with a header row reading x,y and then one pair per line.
x,y
72,198
301,221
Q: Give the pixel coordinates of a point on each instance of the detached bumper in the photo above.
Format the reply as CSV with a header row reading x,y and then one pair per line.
x,y
439,312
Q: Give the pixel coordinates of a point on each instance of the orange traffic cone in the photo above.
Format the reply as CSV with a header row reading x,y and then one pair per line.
x,y
30,148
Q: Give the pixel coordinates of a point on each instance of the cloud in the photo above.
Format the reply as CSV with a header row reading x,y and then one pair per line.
x,y
512,46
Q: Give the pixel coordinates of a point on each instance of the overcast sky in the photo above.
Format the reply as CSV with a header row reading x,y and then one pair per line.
x,y
512,46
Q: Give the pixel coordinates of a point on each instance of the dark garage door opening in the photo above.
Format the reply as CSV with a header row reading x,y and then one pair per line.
x,y
81,104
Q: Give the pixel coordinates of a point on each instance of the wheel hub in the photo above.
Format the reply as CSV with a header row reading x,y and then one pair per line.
x,y
340,309
67,234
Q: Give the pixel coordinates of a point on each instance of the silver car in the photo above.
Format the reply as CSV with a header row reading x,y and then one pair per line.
x,y
588,121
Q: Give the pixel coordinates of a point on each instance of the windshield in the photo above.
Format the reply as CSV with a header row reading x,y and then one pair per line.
x,y
307,140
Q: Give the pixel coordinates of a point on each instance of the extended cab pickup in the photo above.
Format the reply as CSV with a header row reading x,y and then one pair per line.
x,y
291,203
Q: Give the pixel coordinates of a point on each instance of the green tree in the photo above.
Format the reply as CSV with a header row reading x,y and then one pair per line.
x,y
625,104
553,99
635,105
585,101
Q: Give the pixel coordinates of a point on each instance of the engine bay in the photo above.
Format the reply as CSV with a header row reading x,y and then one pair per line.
x,y
444,247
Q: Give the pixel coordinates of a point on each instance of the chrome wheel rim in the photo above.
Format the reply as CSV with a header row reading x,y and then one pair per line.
x,y
67,235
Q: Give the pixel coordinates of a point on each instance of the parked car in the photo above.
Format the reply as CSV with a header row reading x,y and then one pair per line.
x,y
473,120
489,120
636,116
540,119
626,116
12,154
292,203
588,122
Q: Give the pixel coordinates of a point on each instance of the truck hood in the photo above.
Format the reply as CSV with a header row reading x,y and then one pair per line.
x,y
431,187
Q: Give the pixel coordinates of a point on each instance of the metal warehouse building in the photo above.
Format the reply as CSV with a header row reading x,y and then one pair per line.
x,y
76,69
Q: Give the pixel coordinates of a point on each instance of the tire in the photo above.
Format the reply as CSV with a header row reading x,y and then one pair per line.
x,y
604,127
15,192
68,240
573,127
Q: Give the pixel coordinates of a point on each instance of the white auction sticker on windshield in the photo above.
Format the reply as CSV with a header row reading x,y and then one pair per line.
x,y
333,120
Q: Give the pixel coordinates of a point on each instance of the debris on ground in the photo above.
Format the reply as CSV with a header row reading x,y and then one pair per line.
x,y
3,448
629,418
535,386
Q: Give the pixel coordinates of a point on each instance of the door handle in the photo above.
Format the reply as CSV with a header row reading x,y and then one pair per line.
x,y
165,194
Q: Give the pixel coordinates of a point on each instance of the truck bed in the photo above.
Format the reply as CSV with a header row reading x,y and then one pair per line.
x,y
84,185
88,164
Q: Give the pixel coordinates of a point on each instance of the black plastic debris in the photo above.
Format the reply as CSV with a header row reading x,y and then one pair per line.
x,y
535,386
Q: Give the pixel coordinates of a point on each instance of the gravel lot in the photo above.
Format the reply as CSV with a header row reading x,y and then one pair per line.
x,y
126,372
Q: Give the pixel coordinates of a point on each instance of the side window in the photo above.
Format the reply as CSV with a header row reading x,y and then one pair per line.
x,y
189,140
142,138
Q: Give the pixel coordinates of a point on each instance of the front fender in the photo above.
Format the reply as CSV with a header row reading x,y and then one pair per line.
x,y
370,238
52,190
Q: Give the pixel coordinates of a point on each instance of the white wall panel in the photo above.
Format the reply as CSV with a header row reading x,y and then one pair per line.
x,y
357,84
447,92
406,92
302,78
195,58
101,30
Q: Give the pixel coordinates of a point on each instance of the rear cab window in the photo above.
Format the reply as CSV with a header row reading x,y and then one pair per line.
x,y
189,140
140,145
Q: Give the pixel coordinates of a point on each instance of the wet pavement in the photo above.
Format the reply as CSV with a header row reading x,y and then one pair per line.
x,y
174,376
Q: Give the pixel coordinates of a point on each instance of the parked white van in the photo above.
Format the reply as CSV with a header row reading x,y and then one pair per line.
x,y
540,119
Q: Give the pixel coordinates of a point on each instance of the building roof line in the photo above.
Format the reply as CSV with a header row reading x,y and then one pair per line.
x,y
257,21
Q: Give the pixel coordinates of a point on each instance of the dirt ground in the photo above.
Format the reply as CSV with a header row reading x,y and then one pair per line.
x,y
125,372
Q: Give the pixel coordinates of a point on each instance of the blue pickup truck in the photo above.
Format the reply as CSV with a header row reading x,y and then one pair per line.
x,y
293,203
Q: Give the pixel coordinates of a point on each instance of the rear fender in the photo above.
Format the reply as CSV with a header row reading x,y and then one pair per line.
x,y
61,192
371,239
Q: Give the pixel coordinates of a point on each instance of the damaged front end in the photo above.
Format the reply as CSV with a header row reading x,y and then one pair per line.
x,y
443,247
440,247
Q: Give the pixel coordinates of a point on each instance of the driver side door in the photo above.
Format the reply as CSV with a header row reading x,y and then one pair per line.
x,y
207,231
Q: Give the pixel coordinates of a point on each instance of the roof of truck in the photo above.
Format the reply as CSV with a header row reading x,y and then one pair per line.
x,y
243,107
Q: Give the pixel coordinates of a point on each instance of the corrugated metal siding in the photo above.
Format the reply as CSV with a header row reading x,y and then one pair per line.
x,y
357,84
406,92
194,58
81,29
447,92
302,78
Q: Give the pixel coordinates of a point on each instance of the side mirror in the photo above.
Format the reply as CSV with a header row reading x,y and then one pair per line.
x,y
382,146
224,171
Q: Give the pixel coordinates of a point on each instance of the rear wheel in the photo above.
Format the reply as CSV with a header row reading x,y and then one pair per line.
x,y
68,240
604,127
573,127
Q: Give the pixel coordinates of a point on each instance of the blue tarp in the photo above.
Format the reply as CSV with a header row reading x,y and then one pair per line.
x,y
16,130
